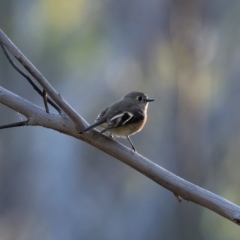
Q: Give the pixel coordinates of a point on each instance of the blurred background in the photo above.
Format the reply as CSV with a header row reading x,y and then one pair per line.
x,y
183,53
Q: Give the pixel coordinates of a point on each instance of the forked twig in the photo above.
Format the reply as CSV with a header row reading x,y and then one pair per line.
x,y
79,122
43,93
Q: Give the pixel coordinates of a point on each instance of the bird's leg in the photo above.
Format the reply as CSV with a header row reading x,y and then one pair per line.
x,y
131,143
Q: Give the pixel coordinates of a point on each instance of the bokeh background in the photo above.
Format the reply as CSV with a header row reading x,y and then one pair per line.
x,y
183,53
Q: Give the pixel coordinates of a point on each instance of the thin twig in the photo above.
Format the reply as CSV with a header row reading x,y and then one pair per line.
x,y
35,87
17,124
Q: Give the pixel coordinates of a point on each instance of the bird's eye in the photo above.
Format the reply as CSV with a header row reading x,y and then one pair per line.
x,y
139,98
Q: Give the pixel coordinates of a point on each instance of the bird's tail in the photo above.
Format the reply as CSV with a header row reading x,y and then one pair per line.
x,y
91,127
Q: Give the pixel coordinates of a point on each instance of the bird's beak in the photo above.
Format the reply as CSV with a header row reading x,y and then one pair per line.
x,y
149,100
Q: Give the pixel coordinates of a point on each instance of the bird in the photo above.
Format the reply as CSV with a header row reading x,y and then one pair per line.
x,y
124,117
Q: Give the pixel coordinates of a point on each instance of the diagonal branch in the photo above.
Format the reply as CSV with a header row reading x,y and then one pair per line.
x,y
18,124
175,184
67,124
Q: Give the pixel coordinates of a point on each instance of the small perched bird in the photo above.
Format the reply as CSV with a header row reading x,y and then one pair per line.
x,y
125,117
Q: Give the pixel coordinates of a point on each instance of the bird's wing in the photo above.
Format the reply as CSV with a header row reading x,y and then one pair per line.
x,y
101,115
99,120
122,119
119,119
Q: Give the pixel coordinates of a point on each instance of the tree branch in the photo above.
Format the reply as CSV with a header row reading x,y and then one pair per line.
x,y
67,124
